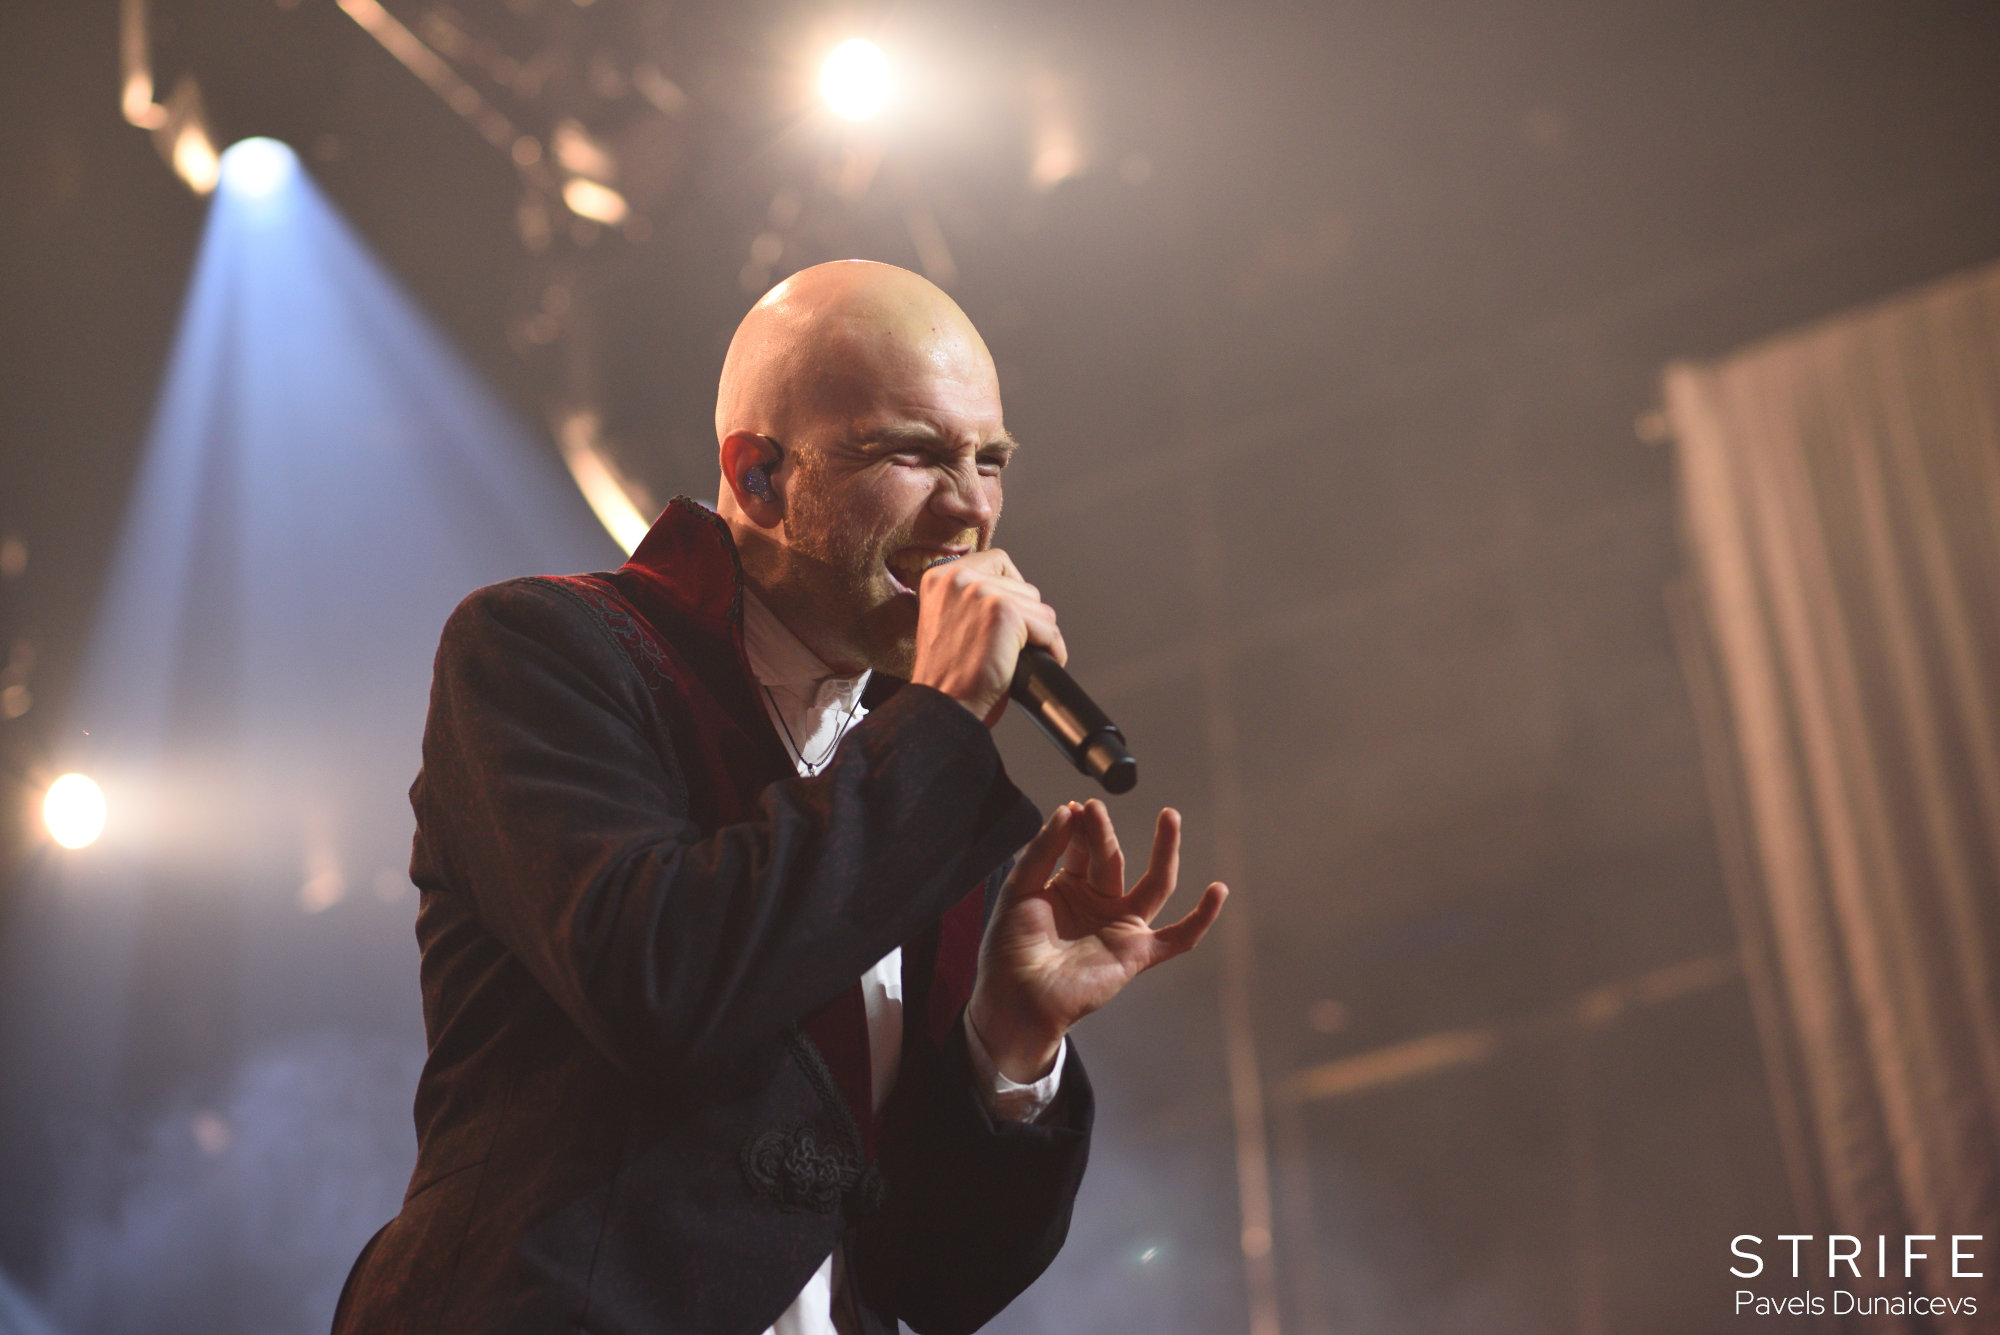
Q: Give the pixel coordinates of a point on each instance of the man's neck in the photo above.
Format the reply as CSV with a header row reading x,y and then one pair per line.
x,y
793,615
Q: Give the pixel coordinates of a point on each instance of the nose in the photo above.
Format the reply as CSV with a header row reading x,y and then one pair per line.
x,y
967,497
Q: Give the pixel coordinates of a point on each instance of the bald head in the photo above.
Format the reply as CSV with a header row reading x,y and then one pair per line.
x,y
859,431
828,341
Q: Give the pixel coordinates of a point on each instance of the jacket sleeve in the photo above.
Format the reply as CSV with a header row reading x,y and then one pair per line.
x,y
550,795
974,1207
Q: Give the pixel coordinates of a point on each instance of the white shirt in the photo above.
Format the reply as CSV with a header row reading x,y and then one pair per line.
x,y
812,710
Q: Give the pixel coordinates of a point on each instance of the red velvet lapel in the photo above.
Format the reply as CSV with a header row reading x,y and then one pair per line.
x,y
684,577
957,964
688,559
839,1030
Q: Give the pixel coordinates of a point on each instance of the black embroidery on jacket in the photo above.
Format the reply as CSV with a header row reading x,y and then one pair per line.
x,y
802,1170
615,616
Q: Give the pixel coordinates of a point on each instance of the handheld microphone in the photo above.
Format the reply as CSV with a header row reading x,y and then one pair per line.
x,y
1069,718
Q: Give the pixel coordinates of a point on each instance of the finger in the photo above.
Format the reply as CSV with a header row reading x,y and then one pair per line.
x,y
982,571
990,558
972,588
1057,646
992,581
1184,935
1029,619
1038,627
1107,859
1076,857
1046,636
1093,854
992,563
1038,859
1163,867
1021,601
1016,599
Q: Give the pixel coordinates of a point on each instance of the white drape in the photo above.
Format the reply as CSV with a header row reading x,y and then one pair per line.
x,y
1840,491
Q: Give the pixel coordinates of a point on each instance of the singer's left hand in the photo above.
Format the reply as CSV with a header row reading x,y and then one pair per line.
x,y
1066,935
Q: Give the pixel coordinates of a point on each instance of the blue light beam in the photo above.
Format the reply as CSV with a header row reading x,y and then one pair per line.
x,y
323,479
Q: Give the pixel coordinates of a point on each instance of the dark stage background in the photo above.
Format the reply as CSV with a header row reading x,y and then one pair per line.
x,y
1334,334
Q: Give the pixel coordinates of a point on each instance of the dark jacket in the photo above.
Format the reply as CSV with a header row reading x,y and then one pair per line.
x,y
645,1109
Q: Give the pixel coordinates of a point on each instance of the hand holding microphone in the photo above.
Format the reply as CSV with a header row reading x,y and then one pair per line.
x,y
974,617
984,634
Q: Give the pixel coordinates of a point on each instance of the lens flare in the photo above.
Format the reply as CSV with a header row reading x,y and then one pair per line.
x,y
855,79
74,811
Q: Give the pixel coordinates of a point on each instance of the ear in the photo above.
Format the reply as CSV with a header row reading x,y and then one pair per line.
x,y
742,452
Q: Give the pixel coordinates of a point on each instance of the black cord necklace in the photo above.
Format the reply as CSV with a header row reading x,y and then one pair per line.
x,y
812,767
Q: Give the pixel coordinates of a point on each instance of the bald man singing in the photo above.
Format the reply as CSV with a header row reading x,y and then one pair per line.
x,y
747,973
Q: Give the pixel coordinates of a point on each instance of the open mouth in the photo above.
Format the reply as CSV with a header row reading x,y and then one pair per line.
x,y
906,567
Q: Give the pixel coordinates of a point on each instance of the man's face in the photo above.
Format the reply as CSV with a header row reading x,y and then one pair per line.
x,y
904,472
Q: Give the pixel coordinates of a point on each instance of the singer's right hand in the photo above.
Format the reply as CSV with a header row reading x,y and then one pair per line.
x,y
974,615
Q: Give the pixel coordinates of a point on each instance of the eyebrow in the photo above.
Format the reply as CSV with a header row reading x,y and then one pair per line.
x,y
928,438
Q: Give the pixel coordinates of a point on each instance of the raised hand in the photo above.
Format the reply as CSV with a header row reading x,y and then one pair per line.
x,y
1066,935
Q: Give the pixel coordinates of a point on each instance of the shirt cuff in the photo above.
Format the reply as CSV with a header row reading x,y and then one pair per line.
x,y
1010,1099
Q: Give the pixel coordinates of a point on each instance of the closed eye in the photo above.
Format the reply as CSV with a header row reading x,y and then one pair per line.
x,y
924,453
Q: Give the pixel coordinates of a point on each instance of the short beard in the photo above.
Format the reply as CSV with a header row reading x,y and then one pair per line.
x,y
840,571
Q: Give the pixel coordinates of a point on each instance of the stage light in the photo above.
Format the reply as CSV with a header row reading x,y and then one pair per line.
x,y
138,105
256,168
577,153
606,494
135,58
314,430
855,79
194,158
74,811
599,203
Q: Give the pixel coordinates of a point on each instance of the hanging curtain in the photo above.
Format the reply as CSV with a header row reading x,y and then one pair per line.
x,y
1840,497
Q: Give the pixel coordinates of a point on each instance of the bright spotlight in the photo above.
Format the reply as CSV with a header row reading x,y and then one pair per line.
x,y
74,811
194,158
255,168
599,203
855,79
